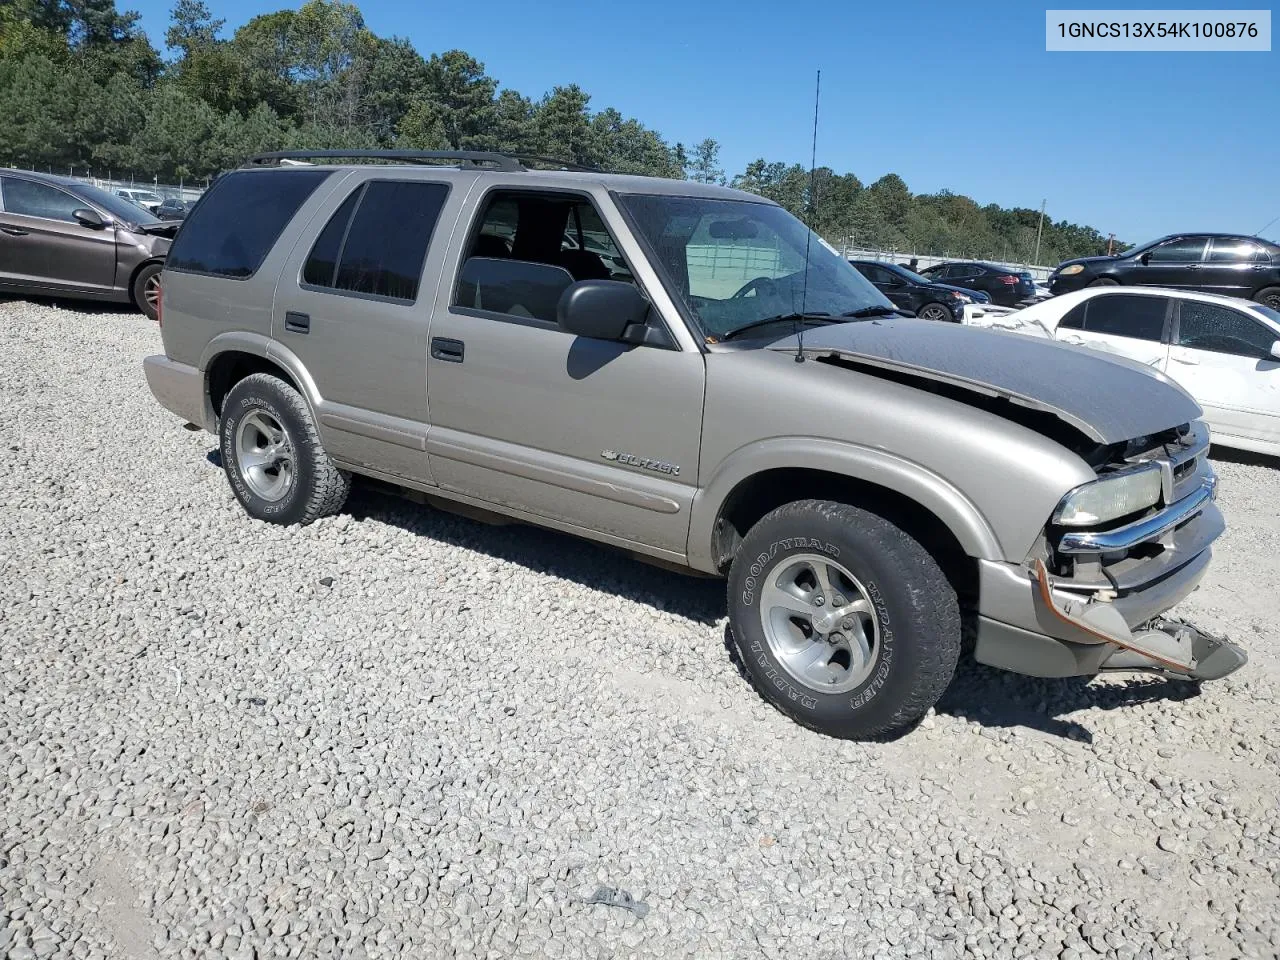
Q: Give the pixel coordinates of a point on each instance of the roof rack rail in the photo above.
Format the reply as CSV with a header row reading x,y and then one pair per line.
x,y
468,159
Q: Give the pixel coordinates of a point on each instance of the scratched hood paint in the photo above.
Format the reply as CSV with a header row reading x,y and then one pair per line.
x,y
1108,399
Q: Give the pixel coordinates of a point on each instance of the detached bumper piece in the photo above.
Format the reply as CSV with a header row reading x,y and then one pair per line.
x,y
1165,647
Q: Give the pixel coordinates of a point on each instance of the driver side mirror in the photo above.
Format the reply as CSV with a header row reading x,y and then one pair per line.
x,y
1145,258
603,310
89,218
1275,351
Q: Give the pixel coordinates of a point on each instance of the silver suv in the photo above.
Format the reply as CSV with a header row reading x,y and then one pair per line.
x,y
685,372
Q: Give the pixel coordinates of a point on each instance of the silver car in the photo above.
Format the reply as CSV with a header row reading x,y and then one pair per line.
x,y
701,385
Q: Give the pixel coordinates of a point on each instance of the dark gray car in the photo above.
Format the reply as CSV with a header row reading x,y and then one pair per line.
x,y
63,238
730,397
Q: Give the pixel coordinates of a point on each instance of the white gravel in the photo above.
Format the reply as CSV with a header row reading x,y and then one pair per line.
x,y
400,733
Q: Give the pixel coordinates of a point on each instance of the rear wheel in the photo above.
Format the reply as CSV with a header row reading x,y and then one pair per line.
x,y
841,620
146,289
1270,297
272,455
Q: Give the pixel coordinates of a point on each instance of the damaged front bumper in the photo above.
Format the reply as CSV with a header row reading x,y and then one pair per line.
x,y
1104,611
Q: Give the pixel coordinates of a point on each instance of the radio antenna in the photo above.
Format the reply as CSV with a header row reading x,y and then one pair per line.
x,y
808,222
1258,233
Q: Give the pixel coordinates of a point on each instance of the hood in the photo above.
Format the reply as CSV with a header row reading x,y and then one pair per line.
x,y
1108,399
1084,261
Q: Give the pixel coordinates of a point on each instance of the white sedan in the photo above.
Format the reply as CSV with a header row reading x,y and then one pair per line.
x,y
1225,352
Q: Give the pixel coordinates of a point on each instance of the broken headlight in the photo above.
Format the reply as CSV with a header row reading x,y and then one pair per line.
x,y
1110,498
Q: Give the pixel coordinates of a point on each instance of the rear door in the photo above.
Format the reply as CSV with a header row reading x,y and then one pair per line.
x,y
1234,266
43,246
1132,325
1222,356
354,305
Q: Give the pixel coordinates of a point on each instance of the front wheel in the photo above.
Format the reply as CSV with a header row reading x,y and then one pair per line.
x,y
146,290
272,455
1105,282
937,312
841,620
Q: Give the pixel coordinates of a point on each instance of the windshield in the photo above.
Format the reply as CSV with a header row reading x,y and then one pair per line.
x,y
733,262
118,207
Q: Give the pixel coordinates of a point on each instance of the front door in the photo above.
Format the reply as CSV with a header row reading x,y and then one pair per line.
x,y
595,435
43,245
1131,325
1222,357
1176,263
354,306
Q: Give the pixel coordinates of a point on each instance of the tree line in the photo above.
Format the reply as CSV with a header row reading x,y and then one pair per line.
x,y
82,87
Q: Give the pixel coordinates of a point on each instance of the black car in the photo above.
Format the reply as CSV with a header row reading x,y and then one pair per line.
x,y
910,291
1004,285
172,209
1225,263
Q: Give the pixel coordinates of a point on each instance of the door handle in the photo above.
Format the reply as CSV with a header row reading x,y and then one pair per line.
x,y
1193,266
450,351
296,322
1191,361
14,231
1075,340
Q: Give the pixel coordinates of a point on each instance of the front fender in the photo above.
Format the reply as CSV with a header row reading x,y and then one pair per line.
x,y
933,493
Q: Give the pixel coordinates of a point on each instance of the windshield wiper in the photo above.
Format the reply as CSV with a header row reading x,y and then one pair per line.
x,y
876,311
780,318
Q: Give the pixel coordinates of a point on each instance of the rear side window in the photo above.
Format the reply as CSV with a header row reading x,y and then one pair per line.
x,y
1127,315
376,242
238,221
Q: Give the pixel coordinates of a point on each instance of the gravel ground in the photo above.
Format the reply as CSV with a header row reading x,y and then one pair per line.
x,y
401,732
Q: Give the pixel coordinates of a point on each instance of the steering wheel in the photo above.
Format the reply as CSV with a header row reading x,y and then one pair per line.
x,y
762,286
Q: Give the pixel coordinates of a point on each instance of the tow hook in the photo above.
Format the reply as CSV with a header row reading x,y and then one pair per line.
x,y
1167,647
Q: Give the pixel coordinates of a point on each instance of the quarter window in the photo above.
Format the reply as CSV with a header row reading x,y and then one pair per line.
x,y
239,220
376,242
1184,250
29,199
1127,315
1218,329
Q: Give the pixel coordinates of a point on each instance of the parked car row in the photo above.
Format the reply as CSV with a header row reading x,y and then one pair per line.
x,y
65,237
1224,351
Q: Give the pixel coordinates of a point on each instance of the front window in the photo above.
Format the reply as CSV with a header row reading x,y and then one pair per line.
x,y
119,208
734,263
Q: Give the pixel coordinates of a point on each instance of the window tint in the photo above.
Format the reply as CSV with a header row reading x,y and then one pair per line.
x,y
1074,320
1235,251
388,239
238,221
30,199
321,269
1127,315
878,274
515,287
1208,326
1186,250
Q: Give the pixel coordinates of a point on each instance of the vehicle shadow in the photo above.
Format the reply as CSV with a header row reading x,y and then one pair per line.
x,y
1246,457
995,698
94,307
980,694
588,564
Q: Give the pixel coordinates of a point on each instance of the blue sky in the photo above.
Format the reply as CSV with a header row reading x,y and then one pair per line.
x,y
955,96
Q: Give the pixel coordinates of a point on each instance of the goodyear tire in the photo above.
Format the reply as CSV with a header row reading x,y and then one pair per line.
x,y
841,620
272,455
